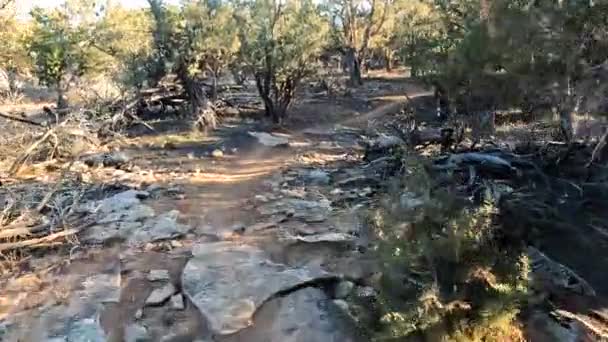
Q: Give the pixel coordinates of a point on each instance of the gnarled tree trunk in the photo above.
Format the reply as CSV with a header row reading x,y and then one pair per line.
x,y
199,104
354,66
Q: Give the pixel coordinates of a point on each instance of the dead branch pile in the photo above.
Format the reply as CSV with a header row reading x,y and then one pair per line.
x,y
42,215
62,138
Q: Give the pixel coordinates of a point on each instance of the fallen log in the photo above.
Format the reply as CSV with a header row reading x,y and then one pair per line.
x,y
31,243
22,120
482,160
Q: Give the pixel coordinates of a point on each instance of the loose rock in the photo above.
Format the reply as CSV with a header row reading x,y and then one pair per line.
x,y
270,140
318,177
217,153
157,275
136,333
343,289
159,296
177,302
304,315
227,282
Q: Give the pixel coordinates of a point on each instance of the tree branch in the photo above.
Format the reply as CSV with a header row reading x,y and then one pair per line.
x,y
19,119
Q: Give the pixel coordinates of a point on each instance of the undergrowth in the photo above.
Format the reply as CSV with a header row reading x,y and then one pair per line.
x,y
448,273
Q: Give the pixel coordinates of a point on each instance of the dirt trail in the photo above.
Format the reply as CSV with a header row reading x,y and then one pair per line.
x,y
244,209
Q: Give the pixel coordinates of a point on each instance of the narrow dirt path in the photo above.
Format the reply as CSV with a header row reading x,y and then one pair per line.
x,y
266,234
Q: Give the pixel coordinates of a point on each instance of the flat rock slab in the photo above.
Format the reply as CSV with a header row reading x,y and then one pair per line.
x,y
228,282
270,140
123,216
308,211
306,315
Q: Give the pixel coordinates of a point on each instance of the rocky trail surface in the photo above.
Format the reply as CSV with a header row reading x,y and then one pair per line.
x,y
252,235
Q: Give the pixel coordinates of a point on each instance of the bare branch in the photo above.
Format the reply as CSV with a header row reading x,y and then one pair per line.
x,y
23,120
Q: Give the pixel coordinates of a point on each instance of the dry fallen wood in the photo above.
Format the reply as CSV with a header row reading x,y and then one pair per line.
x,y
55,187
23,120
598,148
10,233
39,241
26,155
487,161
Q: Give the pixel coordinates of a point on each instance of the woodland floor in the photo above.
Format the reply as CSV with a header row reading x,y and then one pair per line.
x,y
220,199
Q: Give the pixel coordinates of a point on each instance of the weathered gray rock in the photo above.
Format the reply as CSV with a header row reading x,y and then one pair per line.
x,y
309,211
121,201
124,217
79,320
110,159
409,200
137,333
386,141
102,288
160,295
342,305
270,140
161,227
85,330
177,302
321,237
158,275
139,314
317,177
553,276
227,282
365,291
306,315
343,289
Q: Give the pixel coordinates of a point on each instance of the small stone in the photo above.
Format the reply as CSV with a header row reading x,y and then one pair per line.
x,y
136,333
159,296
318,177
177,302
191,156
342,304
238,228
365,291
343,289
261,198
158,275
217,153
139,314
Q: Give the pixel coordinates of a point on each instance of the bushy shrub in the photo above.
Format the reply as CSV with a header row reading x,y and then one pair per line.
x,y
445,270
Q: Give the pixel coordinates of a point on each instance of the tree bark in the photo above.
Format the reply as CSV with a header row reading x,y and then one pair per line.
x,y
354,67
199,104
388,56
62,102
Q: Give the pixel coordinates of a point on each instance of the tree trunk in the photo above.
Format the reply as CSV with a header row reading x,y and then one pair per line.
x,y
11,75
264,92
199,104
354,67
62,102
213,85
388,56
238,77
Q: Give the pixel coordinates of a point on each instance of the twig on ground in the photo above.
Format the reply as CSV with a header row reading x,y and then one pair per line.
x,y
55,187
598,148
26,155
32,243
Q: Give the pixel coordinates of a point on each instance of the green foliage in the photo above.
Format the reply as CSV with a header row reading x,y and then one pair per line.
x,y
123,35
14,57
444,270
280,43
61,45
